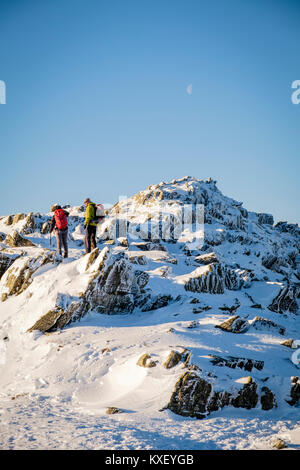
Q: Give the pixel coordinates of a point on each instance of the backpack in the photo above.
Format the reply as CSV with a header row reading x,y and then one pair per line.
x,y
61,220
99,213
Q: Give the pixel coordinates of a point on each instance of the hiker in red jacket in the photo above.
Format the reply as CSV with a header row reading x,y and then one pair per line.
x,y
59,223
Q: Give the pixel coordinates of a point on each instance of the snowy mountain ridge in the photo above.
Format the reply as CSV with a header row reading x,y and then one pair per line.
x,y
187,307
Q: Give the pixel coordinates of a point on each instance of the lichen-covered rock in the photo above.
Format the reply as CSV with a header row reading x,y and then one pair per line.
x,y
91,257
239,362
112,410
286,300
17,218
66,310
19,275
16,240
288,343
278,444
146,361
196,396
234,324
9,220
190,396
173,359
46,322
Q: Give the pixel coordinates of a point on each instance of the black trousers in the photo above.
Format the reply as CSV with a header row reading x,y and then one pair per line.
x,y
90,238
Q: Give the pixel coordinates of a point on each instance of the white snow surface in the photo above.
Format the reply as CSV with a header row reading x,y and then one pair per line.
x,y
55,388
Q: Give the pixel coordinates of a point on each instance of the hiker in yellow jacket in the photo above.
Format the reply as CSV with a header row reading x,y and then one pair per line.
x,y
90,225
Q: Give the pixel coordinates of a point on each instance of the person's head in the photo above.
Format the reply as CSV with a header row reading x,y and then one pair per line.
x,y
86,201
58,207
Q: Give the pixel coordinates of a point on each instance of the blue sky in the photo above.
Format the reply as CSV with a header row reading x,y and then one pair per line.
x,y
97,102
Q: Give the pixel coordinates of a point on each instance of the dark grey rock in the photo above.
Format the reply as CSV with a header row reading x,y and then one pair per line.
x,y
237,362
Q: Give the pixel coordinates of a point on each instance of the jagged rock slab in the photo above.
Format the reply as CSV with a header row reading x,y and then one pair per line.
x,y
215,278
19,275
286,300
16,240
6,260
195,396
237,362
235,324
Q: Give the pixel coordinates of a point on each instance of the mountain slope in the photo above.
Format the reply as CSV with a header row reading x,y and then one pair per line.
x,y
189,306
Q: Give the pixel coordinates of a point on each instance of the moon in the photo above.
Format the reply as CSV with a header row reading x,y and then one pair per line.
x,y
189,89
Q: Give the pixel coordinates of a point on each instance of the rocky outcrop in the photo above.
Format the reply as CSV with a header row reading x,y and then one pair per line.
x,y
30,224
146,361
16,240
285,227
237,362
150,302
234,324
247,396
267,399
294,397
19,275
66,310
207,258
173,359
18,217
6,260
191,396
260,323
267,219
47,321
286,300
278,444
117,287
215,279
194,396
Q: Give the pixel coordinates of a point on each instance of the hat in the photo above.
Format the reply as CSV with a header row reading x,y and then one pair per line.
x,y
87,199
